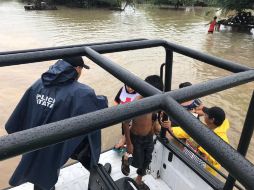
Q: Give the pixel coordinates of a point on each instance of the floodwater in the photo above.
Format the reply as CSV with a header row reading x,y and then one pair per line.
x,y
22,29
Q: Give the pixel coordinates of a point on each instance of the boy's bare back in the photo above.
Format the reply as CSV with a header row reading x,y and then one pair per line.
x,y
142,125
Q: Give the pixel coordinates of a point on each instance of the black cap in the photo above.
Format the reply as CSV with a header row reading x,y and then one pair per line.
x,y
215,113
76,62
184,84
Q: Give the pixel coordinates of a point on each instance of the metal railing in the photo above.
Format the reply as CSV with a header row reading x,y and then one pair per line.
x,y
39,137
200,157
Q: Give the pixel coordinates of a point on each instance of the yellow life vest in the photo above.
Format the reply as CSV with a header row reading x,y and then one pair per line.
x,y
221,131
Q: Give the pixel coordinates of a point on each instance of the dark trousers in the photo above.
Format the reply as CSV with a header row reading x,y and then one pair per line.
x,y
83,154
142,152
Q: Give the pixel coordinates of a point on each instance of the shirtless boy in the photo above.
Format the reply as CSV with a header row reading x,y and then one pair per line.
x,y
139,139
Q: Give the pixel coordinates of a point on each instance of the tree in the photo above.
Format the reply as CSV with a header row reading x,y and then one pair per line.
x,y
235,5
90,3
176,3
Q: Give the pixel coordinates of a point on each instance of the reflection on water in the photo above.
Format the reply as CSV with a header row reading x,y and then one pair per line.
x,y
33,29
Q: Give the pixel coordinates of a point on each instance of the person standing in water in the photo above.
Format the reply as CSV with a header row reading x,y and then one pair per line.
x,y
212,25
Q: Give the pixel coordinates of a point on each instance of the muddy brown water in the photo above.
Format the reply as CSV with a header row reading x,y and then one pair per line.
x,y
34,29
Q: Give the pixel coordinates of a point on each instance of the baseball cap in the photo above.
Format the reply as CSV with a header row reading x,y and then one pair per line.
x,y
184,84
216,113
76,61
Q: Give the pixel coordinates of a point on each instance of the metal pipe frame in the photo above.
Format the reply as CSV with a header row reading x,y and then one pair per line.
x,y
168,69
45,135
121,74
108,65
46,55
168,83
201,158
162,70
70,46
207,139
245,139
48,134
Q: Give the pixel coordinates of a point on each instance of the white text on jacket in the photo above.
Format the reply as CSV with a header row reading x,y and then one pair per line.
x,y
45,100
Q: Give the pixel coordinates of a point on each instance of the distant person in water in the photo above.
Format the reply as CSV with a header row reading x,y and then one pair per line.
x,y
139,139
212,25
57,95
125,95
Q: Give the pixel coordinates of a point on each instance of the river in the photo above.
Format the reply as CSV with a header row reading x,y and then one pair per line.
x,y
22,29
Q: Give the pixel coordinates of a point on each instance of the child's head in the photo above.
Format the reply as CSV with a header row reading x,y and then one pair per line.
x,y
155,81
129,90
184,84
214,115
215,17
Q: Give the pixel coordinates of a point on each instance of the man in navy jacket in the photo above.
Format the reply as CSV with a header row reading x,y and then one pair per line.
x,y
57,95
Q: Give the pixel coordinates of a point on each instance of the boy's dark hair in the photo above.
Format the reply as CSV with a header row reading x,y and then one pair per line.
x,y
184,84
215,113
215,17
155,81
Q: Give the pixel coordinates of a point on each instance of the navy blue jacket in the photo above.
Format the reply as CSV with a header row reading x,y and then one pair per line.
x,y
56,96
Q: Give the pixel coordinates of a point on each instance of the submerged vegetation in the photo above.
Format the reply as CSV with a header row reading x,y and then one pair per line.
x,y
81,3
225,5
89,3
179,2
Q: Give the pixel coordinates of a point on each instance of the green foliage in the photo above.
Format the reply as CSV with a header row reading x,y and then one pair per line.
x,y
174,2
189,2
90,3
226,5
236,5
164,2
113,3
